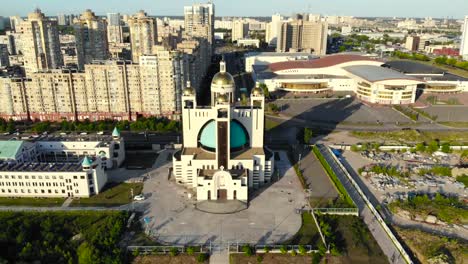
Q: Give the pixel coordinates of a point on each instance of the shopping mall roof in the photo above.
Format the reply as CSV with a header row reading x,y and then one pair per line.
x,y
327,61
422,71
375,73
411,67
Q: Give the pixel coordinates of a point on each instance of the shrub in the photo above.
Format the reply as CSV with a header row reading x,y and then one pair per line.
x,y
136,252
316,258
190,250
247,250
202,257
173,251
446,148
302,250
283,249
259,258
293,253
266,249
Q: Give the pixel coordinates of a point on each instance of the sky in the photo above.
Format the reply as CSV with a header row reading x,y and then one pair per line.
x,y
368,8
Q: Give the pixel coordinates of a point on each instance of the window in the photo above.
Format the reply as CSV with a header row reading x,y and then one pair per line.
x,y
82,177
75,177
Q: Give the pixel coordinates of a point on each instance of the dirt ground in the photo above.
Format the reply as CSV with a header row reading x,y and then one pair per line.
x,y
270,259
165,259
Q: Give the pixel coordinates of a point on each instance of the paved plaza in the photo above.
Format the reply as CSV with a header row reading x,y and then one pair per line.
x,y
270,217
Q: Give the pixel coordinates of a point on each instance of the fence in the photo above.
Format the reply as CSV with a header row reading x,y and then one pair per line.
x,y
380,220
231,247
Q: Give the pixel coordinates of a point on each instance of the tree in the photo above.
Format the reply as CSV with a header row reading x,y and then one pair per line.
x,y
264,87
307,135
85,253
433,146
10,127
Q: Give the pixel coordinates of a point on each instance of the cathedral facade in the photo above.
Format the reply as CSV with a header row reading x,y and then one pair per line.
x,y
223,156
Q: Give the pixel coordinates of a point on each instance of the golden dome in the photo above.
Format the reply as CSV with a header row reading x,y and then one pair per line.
x,y
189,91
221,99
257,91
223,78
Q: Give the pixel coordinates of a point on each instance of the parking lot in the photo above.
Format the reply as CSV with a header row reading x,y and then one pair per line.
x,y
339,110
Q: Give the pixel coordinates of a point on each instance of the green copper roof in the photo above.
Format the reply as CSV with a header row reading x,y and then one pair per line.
x,y
8,149
86,162
238,137
116,132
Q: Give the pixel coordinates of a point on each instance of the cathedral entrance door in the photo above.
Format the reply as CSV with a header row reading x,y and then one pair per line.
x,y
222,194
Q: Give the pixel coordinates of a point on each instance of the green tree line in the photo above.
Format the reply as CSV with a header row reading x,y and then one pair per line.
x,y
61,237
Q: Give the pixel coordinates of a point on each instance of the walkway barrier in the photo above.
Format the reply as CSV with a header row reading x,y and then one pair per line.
x,y
387,230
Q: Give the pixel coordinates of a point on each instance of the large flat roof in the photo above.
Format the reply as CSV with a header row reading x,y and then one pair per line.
x,y
327,61
280,54
422,70
375,73
412,67
40,167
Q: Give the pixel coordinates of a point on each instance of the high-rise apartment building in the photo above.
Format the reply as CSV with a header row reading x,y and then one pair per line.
x,y
9,41
198,60
199,21
116,89
143,35
303,36
240,29
114,28
272,29
113,19
91,38
464,40
63,20
4,59
14,22
412,43
40,41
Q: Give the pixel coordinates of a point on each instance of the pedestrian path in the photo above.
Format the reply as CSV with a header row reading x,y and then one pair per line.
x,y
219,256
67,202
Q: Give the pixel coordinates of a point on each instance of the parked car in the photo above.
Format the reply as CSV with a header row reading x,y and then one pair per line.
x,y
139,197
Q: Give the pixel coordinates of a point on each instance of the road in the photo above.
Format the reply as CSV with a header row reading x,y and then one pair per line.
x,y
388,247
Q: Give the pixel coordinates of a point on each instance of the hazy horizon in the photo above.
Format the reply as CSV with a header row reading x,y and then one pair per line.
x,y
259,8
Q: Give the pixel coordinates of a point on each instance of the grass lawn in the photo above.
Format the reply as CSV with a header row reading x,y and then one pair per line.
x,y
413,136
270,259
166,259
270,124
27,201
114,194
354,241
426,246
455,124
307,234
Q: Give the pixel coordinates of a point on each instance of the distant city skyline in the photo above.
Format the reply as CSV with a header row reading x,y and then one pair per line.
x,y
360,8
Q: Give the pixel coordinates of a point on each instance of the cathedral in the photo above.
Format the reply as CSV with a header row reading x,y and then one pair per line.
x,y
223,157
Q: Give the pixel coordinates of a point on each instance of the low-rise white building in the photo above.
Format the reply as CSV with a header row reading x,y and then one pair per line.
x,y
58,167
246,42
34,179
